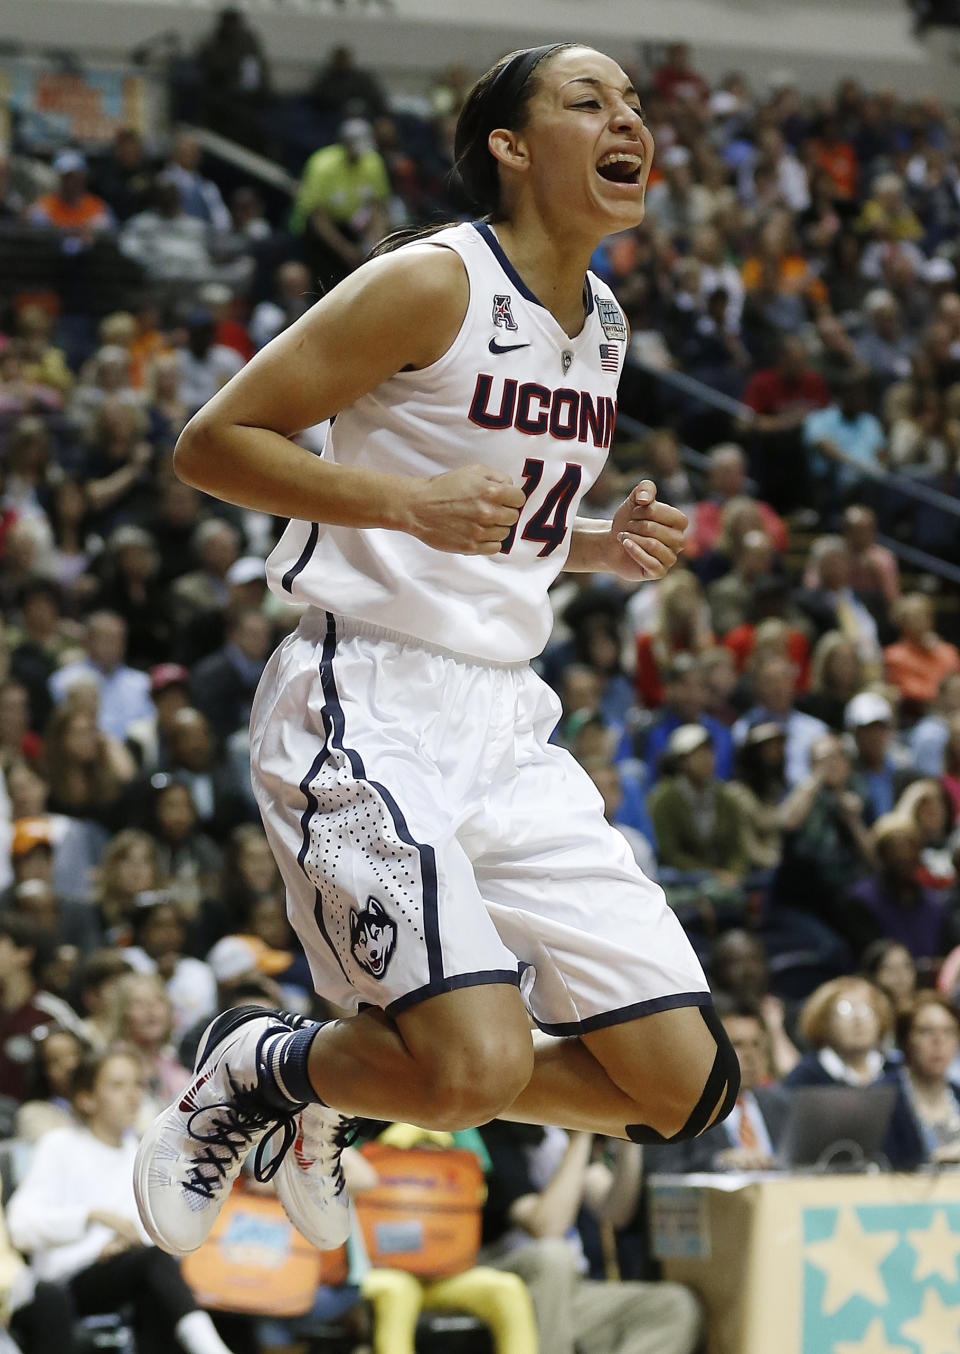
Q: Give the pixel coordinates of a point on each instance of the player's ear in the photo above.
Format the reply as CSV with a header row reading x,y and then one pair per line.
x,y
508,147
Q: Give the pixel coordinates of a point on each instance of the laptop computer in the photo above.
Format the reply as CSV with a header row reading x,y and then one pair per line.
x,y
838,1128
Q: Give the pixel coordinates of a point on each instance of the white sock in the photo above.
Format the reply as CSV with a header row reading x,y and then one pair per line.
x,y
198,1335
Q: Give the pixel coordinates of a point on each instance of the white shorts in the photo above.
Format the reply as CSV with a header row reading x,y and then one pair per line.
x,y
431,838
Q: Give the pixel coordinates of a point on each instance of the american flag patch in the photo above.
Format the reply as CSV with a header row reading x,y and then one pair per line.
x,y
609,357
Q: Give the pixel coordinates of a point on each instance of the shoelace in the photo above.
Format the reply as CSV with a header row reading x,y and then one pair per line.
x,y
234,1129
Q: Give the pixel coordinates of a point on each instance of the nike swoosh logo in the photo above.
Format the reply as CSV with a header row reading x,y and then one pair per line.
x,y
496,347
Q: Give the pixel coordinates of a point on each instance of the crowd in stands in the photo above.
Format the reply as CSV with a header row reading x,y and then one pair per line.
x,y
775,727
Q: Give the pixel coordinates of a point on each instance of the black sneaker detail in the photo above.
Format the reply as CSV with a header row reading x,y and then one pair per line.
x,y
231,1128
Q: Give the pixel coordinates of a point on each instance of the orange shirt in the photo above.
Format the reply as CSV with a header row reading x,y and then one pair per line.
x,y
918,671
795,276
89,211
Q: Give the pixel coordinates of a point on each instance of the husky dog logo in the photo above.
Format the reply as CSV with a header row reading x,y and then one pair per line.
x,y
503,312
373,937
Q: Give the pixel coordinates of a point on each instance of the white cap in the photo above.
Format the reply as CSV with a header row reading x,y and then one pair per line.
x,y
687,739
867,708
235,956
675,157
69,162
938,269
724,104
247,569
357,133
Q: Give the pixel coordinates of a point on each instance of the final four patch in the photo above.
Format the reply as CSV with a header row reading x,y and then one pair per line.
x,y
611,317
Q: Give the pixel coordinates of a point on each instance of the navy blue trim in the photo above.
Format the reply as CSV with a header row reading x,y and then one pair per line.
x,y
481,979
487,235
309,811
286,581
625,1013
428,859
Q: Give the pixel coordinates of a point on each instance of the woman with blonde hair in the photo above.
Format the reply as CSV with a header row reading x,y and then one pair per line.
x,y
682,626
837,673
926,805
846,1023
87,769
141,1015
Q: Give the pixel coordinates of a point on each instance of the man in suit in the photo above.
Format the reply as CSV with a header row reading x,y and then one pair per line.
x,y
748,1139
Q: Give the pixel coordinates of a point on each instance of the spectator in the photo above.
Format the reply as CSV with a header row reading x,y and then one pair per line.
x,y
43,363
740,975
88,770
141,1016
215,545
537,1186
726,481
881,766
873,567
169,244
781,397
832,604
886,215
189,860
697,826
845,1023
892,904
124,176
78,215
340,208
75,1214
837,674
74,846
24,1005
827,849
677,202
194,762
159,935
96,978
890,966
758,790
170,692
57,1053
342,87
291,299
748,1139
775,685
920,659
224,683
841,434
205,365
130,867
928,1035
731,595
884,350
927,739
676,79
926,805
684,703
124,692
131,589
682,626
235,77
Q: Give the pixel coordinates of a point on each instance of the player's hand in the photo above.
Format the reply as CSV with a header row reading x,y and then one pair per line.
x,y
466,512
646,536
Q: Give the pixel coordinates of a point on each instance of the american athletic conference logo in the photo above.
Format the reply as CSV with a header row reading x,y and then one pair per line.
x,y
373,937
503,312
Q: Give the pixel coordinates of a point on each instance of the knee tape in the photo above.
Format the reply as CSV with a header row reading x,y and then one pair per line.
x,y
723,1084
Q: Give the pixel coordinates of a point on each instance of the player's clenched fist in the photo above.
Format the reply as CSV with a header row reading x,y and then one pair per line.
x,y
467,511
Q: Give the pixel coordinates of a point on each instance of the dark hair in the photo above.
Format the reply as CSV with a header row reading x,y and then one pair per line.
x,y
907,1018
24,934
38,1081
92,1064
500,98
876,952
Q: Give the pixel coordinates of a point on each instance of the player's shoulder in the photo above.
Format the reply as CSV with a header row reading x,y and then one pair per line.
x,y
418,278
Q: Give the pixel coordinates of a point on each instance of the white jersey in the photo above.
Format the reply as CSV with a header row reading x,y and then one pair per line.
x,y
513,392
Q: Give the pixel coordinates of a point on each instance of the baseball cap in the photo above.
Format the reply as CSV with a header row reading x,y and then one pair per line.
x,y
687,739
358,133
676,156
29,833
763,732
235,956
69,162
938,269
168,674
867,708
247,569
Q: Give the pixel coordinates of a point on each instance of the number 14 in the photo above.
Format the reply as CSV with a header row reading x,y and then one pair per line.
x,y
549,523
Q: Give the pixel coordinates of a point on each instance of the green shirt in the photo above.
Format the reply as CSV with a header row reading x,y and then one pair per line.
x,y
341,187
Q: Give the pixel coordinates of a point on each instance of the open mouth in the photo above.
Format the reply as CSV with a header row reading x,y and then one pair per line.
x,y
620,167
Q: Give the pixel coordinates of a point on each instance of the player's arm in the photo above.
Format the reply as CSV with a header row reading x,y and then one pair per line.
x,y
400,311
642,541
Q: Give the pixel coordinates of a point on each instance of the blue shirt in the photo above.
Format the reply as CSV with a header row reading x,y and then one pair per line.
x,y
860,437
124,694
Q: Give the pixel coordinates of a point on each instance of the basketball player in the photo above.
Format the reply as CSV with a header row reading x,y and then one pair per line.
x,y
448,869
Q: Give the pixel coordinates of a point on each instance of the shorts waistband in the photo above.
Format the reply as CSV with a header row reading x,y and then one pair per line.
x,y
314,625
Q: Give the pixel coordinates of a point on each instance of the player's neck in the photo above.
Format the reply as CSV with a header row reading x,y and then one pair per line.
x,y
553,269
